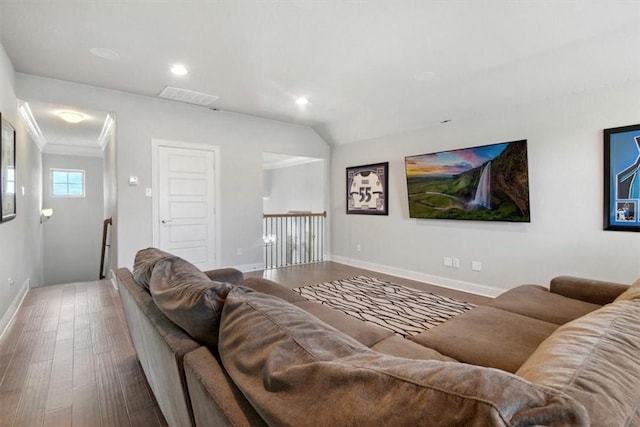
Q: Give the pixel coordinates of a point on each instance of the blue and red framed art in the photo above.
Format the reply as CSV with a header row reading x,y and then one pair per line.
x,y
622,178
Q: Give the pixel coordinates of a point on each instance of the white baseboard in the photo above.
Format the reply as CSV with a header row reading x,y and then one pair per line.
x,y
458,285
13,308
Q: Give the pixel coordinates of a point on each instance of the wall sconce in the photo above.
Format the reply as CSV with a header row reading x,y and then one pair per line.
x,y
45,214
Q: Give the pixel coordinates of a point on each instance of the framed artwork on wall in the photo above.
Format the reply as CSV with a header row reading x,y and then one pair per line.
x,y
367,189
484,183
7,170
622,178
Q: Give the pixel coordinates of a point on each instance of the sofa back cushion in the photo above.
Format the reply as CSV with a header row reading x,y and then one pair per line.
x,y
297,370
630,294
596,360
143,265
189,298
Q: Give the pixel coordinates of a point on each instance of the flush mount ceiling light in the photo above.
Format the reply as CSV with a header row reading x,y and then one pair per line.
x,y
71,116
179,70
302,101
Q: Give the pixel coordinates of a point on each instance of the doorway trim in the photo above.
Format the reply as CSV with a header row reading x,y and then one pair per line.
x,y
155,176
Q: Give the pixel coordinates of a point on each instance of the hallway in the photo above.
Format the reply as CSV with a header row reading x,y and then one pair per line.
x,y
66,359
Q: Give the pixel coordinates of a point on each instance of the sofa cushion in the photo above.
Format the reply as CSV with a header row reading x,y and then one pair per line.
x,y
297,370
143,265
594,360
537,302
488,336
272,288
363,332
632,293
398,346
187,297
227,275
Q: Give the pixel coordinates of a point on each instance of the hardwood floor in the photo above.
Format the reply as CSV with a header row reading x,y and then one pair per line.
x,y
67,360
309,274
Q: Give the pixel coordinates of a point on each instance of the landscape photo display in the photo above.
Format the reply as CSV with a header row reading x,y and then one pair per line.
x,y
487,183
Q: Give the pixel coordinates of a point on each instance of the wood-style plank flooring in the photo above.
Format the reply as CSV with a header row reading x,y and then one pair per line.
x,y
309,274
67,360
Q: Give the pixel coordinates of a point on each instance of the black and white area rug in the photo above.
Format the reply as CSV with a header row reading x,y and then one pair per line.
x,y
403,310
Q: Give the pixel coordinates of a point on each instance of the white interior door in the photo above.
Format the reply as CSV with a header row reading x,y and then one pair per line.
x,y
186,204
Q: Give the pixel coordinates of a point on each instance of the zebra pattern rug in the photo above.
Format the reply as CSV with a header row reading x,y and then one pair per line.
x,y
403,310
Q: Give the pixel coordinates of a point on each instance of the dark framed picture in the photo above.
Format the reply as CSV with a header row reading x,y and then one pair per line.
x,y
7,170
622,178
367,189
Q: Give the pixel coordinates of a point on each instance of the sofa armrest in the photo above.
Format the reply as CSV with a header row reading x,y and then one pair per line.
x,y
228,275
588,290
215,399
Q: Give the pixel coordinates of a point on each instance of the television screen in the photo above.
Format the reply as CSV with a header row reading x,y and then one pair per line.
x,y
487,183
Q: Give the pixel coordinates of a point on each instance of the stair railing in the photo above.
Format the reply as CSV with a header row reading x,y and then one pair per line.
x,y
293,238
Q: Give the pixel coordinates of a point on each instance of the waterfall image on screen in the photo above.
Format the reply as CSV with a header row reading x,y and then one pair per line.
x,y
489,183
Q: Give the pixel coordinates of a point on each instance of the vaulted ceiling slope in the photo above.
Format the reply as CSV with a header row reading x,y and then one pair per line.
x,y
368,68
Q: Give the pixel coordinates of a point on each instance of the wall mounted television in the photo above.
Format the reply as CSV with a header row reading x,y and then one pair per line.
x,y
486,183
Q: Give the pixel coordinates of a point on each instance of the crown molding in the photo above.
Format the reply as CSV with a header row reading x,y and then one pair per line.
x,y
106,133
32,126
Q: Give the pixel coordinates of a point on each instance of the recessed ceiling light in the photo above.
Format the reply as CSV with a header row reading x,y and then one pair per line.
x,y
302,101
71,116
179,70
104,53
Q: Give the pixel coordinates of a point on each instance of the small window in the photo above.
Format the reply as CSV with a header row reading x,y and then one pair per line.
x,y
67,183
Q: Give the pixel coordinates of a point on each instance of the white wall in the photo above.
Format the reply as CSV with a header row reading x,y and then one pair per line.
x,y
242,140
20,238
295,188
111,205
565,236
73,235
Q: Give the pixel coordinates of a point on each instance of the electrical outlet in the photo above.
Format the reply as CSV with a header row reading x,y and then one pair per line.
x,y
447,261
11,282
476,265
358,247
456,263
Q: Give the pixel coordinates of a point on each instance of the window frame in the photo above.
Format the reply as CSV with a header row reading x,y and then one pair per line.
x,y
67,171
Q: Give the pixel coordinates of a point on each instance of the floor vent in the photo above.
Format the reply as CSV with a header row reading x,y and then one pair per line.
x,y
188,96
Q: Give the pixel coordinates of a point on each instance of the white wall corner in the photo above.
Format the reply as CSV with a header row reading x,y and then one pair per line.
x,y
458,285
13,308
105,134
112,278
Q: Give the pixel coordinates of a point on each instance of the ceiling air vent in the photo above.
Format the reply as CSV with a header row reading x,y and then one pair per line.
x,y
188,96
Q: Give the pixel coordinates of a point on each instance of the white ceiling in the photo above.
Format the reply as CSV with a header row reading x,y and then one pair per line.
x,y
369,68
61,137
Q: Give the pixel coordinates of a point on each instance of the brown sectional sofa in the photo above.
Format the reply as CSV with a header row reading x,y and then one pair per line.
x,y
569,355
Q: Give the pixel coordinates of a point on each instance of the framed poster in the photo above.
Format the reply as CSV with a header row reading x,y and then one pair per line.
x,y
7,170
622,178
367,188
